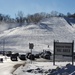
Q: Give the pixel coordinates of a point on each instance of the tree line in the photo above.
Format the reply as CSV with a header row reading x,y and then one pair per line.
x,y
34,18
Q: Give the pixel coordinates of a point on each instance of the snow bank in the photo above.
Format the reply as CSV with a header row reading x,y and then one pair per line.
x,y
43,66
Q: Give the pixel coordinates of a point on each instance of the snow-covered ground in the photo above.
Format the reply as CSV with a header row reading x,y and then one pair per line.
x,y
35,66
7,67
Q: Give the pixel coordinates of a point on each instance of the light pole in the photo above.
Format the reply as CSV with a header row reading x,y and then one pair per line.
x,y
3,46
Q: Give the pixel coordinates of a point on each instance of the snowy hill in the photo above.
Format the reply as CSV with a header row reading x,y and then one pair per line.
x,y
5,26
42,35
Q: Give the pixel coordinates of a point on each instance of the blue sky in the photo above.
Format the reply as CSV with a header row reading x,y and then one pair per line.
x,y
11,7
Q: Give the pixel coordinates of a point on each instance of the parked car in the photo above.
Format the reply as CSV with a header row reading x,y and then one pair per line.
x,y
37,55
22,57
8,53
14,57
27,55
45,54
31,57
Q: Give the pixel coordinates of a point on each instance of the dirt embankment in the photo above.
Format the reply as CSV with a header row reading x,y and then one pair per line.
x,y
17,66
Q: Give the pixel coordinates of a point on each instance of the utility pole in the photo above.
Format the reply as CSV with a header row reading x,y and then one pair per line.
x,y
3,46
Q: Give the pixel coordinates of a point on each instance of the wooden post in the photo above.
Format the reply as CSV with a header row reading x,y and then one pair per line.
x,y
31,56
73,53
31,45
54,54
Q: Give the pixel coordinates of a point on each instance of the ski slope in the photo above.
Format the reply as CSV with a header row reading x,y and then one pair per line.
x,y
50,29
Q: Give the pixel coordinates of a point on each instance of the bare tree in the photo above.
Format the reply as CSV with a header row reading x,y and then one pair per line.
x,y
54,13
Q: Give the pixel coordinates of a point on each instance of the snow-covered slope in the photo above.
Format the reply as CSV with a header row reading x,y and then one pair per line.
x,y
42,35
5,26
